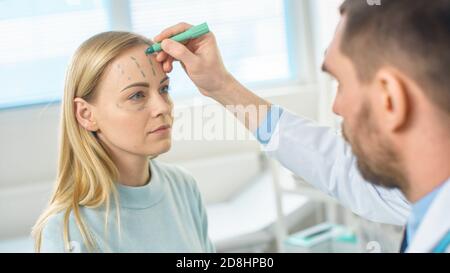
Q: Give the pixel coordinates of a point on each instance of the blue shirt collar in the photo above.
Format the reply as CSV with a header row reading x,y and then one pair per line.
x,y
419,209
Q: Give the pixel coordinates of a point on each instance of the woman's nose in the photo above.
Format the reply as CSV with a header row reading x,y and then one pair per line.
x,y
336,105
160,105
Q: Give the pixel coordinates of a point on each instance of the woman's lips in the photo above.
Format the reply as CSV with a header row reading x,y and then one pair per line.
x,y
161,129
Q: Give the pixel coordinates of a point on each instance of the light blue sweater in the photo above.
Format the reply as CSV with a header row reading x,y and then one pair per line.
x,y
166,215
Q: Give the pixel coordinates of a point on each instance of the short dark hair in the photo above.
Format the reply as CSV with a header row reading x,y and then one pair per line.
x,y
412,35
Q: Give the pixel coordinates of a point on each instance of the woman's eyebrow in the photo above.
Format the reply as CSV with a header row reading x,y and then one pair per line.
x,y
164,79
142,84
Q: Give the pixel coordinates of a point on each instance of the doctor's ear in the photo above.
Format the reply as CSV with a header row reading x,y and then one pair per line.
x,y
84,114
393,98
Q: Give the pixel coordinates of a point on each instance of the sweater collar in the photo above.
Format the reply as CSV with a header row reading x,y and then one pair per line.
x,y
143,196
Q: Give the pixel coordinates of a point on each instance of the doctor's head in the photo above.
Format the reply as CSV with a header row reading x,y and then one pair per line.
x,y
391,62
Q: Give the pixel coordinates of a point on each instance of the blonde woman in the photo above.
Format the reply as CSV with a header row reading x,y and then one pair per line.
x,y
109,196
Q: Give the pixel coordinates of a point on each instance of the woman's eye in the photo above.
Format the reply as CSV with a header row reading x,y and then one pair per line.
x,y
137,96
165,89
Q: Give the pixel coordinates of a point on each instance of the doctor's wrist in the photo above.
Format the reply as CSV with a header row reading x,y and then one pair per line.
x,y
228,91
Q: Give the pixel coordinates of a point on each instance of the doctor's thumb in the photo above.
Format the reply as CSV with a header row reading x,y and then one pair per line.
x,y
178,51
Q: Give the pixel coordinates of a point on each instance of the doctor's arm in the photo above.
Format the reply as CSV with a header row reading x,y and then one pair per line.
x,y
325,160
312,152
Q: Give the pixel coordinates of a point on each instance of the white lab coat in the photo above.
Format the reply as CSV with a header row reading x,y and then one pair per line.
x,y
324,159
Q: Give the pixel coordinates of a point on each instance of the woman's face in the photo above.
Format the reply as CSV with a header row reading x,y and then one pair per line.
x,y
132,108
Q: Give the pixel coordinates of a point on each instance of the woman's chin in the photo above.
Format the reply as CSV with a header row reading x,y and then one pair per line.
x,y
166,147
161,147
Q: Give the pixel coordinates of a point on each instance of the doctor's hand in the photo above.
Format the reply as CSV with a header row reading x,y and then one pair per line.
x,y
200,58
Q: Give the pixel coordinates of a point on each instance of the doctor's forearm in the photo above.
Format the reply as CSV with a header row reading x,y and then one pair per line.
x,y
246,106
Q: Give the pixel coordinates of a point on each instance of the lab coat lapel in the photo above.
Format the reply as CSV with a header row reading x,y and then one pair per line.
x,y
435,224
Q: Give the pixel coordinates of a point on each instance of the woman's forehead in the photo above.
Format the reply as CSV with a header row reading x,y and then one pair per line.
x,y
134,64
132,55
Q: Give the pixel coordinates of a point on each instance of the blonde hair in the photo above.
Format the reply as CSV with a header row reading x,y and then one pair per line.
x,y
86,173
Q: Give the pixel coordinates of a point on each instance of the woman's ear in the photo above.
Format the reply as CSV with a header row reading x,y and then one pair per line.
x,y
84,114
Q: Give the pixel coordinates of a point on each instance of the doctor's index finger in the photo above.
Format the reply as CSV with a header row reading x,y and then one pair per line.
x,y
171,31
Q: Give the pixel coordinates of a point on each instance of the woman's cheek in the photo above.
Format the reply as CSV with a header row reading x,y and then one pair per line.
x,y
126,128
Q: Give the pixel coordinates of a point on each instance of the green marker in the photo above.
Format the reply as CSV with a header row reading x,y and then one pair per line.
x,y
193,32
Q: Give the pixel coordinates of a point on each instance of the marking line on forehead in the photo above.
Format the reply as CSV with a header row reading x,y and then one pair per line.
x,y
139,67
151,63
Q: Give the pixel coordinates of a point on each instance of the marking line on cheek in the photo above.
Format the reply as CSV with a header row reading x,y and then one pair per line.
x,y
142,108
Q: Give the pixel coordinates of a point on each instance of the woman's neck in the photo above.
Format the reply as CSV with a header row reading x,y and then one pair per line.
x,y
134,170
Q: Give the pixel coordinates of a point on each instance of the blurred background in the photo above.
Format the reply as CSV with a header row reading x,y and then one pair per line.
x,y
278,56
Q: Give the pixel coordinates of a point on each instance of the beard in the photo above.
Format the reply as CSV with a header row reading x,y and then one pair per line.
x,y
377,161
